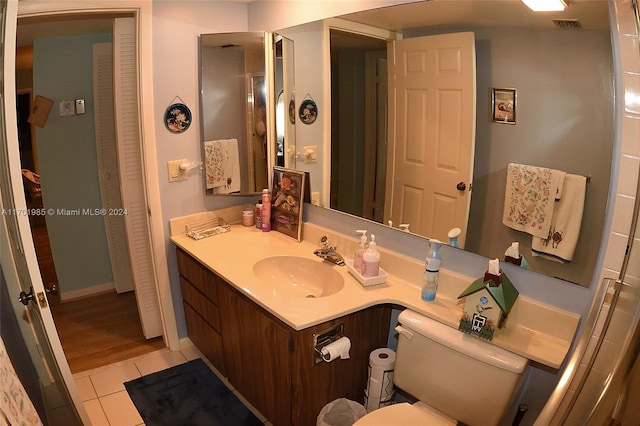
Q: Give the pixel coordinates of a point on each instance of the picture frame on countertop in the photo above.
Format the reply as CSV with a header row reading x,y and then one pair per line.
x,y
287,199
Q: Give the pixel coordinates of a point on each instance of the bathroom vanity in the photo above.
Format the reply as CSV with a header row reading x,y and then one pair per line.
x,y
271,364
260,331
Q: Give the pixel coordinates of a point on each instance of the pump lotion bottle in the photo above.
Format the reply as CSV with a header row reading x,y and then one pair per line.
x,y
357,256
371,260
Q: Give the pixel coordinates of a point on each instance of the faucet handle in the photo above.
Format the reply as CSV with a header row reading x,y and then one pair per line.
x,y
324,242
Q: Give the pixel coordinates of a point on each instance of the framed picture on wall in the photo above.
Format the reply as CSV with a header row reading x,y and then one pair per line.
x,y
287,199
503,106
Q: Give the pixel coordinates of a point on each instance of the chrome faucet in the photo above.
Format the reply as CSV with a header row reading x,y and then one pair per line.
x,y
328,252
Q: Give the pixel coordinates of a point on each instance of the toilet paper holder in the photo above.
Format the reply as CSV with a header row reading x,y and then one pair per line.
x,y
320,340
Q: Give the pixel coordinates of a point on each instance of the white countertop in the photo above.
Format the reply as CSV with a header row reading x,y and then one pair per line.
x,y
539,332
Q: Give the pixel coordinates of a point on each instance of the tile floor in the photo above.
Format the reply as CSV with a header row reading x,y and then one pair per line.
x,y
105,398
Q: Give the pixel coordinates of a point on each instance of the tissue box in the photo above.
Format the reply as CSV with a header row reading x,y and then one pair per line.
x,y
488,302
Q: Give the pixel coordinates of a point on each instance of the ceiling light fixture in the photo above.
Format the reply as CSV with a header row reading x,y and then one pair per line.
x,y
545,5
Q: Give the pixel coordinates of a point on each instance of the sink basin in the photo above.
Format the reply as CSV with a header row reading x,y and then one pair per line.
x,y
298,276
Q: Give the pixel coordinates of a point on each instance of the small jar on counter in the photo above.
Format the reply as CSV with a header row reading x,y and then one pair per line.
x,y
247,217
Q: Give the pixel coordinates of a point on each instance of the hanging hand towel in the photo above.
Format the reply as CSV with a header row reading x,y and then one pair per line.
x,y
222,164
529,198
214,163
560,243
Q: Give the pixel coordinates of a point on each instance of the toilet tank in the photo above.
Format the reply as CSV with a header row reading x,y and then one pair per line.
x,y
460,375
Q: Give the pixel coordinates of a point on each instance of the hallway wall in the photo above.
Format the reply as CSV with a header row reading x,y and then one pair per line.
x,y
62,70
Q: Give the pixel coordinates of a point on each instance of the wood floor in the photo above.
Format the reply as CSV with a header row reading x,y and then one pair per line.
x,y
96,330
101,330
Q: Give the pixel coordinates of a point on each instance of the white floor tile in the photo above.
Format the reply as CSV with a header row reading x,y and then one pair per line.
x,y
85,388
158,361
111,380
120,410
95,412
191,353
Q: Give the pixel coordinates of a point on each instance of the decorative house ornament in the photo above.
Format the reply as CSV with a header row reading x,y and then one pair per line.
x,y
488,302
177,117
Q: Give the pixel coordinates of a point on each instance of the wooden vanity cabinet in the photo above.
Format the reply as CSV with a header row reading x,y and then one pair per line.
x,y
271,364
201,308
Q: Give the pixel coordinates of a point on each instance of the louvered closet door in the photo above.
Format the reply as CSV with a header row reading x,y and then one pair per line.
x,y
132,174
107,152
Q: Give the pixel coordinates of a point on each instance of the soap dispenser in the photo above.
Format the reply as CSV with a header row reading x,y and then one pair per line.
x,y
357,256
431,271
371,260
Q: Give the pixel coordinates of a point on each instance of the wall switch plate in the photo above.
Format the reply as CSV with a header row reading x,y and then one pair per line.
x,y
80,106
67,108
175,173
310,154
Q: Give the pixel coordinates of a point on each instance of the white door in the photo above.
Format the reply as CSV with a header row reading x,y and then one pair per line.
x,y
432,110
131,166
33,323
108,171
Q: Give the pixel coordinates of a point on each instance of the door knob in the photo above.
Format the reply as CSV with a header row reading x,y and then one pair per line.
x,y
461,186
25,297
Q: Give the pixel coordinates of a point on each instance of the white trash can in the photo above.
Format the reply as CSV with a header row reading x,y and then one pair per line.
x,y
340,412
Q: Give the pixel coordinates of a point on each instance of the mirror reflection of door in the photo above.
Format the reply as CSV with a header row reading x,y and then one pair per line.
x,y
433,137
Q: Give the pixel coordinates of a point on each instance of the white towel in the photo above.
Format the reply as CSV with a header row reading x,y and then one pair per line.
x,y
529,198
222,166
560,243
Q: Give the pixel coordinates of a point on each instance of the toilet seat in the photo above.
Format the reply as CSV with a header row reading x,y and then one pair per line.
x,y
405,414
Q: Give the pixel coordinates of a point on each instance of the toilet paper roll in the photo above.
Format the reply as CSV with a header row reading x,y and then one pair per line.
x,y
380,390
338,349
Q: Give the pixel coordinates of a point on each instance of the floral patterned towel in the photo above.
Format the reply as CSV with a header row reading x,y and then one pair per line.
x,y
214,163
222,166
15,407
529,198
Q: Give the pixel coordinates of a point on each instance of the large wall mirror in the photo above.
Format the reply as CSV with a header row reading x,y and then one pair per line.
x,y
244,78
561,66
233,108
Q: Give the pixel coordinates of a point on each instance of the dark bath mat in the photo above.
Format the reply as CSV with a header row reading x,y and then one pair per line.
x,y
189,394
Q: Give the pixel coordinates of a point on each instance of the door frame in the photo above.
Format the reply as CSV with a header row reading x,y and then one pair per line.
x,y
142,11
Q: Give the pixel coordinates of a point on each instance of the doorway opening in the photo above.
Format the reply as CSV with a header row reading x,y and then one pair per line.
x,y
358,124
98,326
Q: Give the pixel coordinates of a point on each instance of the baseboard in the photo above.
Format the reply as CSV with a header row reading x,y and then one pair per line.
x,y
185,342
66,296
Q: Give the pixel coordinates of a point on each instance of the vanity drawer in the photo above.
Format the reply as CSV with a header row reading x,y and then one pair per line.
x,y
201,278
202,305
205,338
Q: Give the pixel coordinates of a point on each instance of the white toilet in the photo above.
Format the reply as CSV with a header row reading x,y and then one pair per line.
x,y
454,376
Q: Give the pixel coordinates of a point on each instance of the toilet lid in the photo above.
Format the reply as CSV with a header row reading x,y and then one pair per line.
x,y
405,414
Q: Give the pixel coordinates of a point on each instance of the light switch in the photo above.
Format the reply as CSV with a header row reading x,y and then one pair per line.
x,y
175,172
79,106
310,154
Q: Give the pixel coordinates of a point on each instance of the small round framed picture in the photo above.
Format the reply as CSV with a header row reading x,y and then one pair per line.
x,y
308,111
177,118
